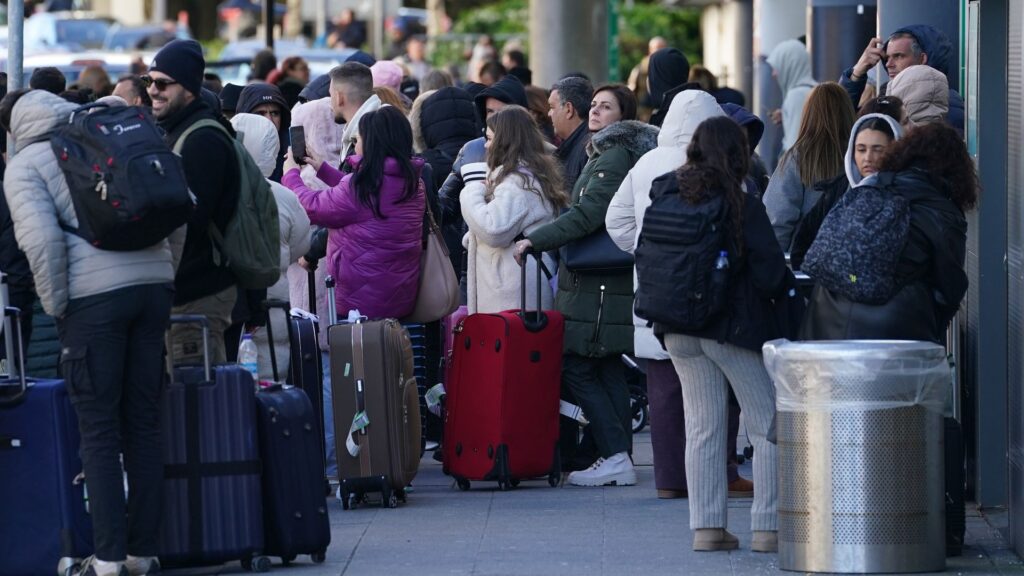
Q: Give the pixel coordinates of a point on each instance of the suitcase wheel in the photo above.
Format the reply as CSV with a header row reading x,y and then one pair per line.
x,y
514,482
318,557
393,501
286,560
256,564
554,479
463,484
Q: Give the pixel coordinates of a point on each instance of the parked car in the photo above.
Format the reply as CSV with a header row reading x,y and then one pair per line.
x,y
147,37
71,64
67,31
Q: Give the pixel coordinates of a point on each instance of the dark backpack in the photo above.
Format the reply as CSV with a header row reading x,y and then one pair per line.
x,y
677,282
251,244
127,186
860,242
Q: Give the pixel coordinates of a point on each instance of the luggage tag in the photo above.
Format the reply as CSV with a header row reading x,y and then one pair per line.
x,y
570,410
433,397
359,422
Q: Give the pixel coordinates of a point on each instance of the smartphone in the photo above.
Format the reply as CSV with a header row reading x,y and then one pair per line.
x,y
297,134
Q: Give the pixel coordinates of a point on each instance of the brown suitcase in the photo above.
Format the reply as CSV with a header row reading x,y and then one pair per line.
x,y
372,373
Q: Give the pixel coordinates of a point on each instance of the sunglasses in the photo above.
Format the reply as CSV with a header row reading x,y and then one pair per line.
x,y
160,83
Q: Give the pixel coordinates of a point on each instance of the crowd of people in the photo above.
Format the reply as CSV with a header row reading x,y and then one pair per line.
x,y
508,168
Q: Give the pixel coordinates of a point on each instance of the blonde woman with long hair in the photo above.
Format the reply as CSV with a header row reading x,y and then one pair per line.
x,y
518,189
817,155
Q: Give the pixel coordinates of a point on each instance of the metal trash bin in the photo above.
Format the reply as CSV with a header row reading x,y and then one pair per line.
x,y
860,455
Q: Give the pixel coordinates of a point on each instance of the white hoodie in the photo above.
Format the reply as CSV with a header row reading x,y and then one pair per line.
x,y
261,140
852,173
625,215
792,66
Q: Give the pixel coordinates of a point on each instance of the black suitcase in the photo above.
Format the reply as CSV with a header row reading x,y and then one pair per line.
x,y
213,502
305,369
295,504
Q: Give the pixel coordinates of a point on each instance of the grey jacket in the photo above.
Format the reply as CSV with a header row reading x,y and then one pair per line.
x,y
64,265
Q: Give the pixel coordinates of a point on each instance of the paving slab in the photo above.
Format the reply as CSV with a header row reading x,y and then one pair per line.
x,y
536,530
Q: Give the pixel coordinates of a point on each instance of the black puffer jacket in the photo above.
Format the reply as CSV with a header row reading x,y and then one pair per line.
x,y
930,269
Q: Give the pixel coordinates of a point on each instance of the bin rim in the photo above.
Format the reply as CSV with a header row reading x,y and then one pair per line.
x,y
853,349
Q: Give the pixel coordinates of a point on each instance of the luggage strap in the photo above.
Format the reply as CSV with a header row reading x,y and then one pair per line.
x,y
359,448
570,410
194,471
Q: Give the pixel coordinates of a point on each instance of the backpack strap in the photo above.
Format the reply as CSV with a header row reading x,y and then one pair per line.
x,y
216,236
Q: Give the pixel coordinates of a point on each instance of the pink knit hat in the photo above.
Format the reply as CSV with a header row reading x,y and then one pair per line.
x,y
387,73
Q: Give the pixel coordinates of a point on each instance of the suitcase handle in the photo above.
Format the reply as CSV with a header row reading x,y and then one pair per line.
x,y
269,305
205,324
12,321
332,306
536,320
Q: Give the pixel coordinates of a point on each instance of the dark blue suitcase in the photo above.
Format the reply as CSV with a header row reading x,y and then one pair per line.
x,y
213,501
295,504
44,521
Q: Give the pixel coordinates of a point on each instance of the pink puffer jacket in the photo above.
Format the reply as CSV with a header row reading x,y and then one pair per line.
x,y
375,262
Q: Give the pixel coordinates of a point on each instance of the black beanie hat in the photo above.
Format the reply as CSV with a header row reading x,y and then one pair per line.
x,y
183,61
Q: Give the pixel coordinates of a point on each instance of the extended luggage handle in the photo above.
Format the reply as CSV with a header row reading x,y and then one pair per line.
x,y
537,320
12,321
332,310
204,323
268,305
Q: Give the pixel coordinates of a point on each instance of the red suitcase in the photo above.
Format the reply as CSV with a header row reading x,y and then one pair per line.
x,y
501,408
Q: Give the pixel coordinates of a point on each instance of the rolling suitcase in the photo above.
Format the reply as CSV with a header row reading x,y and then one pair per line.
x,y
373,386
294,501
501,408
213,502
46,527
304,368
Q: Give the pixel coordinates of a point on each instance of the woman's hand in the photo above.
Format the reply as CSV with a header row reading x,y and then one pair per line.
x,y
521,247
312,159
289,162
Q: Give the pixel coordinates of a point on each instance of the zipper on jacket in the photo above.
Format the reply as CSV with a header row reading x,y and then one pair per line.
x,y
600,313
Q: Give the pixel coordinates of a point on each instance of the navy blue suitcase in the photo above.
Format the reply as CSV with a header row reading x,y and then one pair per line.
x,y
44,521
295,504
213,498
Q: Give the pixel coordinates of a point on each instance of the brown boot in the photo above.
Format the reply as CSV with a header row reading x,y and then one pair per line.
x,y
713,539
667,494
741,488
765,541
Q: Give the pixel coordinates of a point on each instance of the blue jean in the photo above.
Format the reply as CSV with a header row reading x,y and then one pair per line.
x,y
112,361
332,459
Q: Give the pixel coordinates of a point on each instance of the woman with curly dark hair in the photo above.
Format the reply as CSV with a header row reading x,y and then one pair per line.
x,y
931,169
721,347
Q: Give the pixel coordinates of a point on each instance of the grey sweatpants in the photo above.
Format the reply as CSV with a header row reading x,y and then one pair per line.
x,y
705,370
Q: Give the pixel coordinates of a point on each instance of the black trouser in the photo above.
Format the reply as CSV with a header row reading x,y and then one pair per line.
x,y
600,386
112,348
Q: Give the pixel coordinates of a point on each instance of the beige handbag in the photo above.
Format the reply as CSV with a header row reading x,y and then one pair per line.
x,y
438,293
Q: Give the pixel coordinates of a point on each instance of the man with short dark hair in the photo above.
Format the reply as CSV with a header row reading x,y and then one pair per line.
x,y
570,103
48,78
133,89
907,46
352,96
203,285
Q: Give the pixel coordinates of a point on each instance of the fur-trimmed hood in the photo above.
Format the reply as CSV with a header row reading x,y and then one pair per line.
x,y
635,136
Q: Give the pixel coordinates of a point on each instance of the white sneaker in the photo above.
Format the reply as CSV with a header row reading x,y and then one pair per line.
x,y
616,470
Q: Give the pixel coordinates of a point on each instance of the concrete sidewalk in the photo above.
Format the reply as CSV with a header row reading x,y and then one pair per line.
x,y
537,530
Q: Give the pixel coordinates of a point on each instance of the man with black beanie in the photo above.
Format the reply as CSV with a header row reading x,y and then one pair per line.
x,y
211,168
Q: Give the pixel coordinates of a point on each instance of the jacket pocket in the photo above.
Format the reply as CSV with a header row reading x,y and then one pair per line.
x,y
74,368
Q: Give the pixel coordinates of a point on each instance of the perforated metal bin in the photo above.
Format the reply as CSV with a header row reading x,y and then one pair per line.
x,y
860,456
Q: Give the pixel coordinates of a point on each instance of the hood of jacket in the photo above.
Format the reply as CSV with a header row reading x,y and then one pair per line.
x,y
317,88
934,43
852,173
259,93
924,91
448,116
748,121
686,112
323,135
508,90
260,138
637,137
36,115
792,65
666,69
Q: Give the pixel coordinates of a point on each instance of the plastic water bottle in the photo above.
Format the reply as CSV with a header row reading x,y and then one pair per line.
x,y
722,263
248,357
